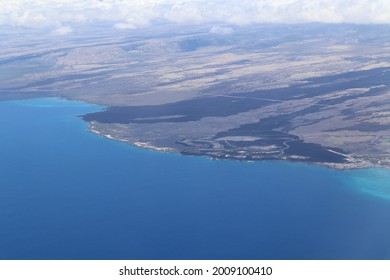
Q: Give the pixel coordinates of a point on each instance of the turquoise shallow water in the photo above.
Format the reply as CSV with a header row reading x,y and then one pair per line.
x,y
68,194
374,182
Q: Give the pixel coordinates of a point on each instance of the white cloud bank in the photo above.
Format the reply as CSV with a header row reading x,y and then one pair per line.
x,y
130,14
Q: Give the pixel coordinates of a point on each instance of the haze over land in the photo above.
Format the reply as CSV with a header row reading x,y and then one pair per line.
x,y
227,79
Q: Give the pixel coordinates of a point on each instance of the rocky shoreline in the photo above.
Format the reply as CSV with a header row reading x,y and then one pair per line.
x,y
350,163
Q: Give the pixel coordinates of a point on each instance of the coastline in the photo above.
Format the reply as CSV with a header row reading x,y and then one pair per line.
x,y
352,162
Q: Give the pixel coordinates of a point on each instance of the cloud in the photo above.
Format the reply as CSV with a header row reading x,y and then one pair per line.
x,y
221,30
63,30
124,25
123,14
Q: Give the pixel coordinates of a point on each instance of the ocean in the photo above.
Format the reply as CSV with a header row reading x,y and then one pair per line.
x,y
66,193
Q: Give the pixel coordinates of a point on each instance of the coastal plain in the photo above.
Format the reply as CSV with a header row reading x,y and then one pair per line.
x,y
315,93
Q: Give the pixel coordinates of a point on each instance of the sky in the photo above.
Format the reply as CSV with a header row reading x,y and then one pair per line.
x,y
64,16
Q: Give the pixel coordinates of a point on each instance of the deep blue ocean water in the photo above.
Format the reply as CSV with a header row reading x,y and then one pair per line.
x,y
68,194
